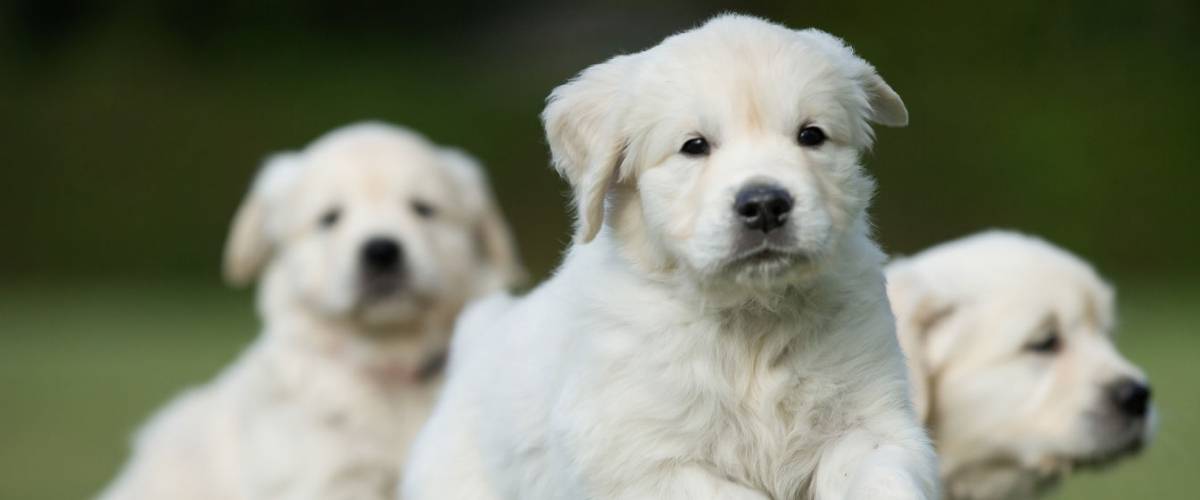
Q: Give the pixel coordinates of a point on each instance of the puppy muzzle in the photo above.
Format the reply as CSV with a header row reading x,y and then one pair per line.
x,y
381,267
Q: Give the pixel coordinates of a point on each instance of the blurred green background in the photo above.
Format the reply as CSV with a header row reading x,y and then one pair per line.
x,y
129,131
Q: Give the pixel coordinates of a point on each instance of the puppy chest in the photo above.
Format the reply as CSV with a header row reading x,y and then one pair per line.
x,y
771,438
755,404
761,427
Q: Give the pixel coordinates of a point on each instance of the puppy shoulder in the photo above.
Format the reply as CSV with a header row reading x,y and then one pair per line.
x,y
479,318
179,423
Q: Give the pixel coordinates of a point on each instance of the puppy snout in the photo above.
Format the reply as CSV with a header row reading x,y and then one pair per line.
x,y
763,207
381,254
1130,397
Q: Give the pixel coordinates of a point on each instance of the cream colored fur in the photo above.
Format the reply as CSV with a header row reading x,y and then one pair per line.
x,y
323,404
1008,419
674,355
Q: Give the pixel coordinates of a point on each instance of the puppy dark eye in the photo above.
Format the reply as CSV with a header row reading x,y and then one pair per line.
x,y
811,137
695,147
423,209
330,217
1050,344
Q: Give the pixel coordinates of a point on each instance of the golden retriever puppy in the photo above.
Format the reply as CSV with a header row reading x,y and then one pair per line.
x,y
1013,364
367,243
720,328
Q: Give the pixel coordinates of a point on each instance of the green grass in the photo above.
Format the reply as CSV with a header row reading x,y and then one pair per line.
x,y
81,367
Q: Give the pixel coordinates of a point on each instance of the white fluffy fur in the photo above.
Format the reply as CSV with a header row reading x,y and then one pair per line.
x,y
668,357
1007,420
324,403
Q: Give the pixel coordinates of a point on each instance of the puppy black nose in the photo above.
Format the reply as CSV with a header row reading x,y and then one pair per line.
x,y
1130,396
381,254
763,207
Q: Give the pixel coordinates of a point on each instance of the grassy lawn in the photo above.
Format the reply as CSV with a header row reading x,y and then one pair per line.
x,y
81,367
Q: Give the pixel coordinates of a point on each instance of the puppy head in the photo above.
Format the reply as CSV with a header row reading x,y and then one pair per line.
x,y
371,223
1011,355
727,151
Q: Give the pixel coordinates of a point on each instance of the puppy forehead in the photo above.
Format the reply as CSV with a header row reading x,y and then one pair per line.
x,y
1027,307
756,39
748,73
1021,272
1068,290
373,168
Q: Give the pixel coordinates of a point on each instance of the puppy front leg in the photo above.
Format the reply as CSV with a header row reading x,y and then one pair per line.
x,y
687,483
864,465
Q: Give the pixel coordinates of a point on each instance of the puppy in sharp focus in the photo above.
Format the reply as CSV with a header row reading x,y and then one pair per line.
x,y
367,243
720,328
1009,341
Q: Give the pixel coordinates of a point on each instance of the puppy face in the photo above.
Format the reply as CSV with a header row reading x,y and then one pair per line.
x,y
726,152
1011,344
372,224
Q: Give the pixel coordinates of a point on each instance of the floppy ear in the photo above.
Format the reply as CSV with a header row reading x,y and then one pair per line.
x,y
496,242
886,107
918,310
250,240
582,121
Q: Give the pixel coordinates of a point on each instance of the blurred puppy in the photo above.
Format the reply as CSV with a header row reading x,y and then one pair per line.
x,y
720,327
368,242
1015,372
